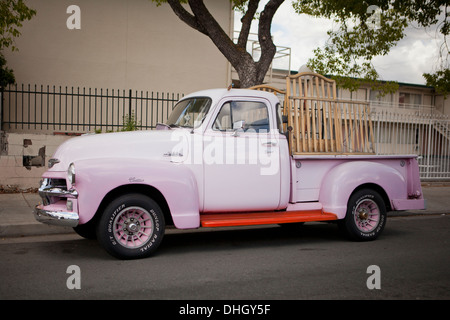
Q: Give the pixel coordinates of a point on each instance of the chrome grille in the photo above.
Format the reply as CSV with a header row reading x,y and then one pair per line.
x,y
52,190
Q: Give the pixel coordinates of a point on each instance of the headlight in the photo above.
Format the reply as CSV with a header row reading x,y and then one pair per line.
x,y
71,173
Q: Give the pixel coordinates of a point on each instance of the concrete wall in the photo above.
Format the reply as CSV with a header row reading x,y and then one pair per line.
x,y
121,44
24,158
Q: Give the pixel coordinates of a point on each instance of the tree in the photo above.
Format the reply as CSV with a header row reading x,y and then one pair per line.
x,y
440,80
363,32
12,14
6,74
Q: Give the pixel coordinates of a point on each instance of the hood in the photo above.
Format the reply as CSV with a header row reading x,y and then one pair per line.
x,y
152,145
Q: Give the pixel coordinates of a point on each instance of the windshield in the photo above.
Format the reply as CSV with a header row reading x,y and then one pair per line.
x,y
189,113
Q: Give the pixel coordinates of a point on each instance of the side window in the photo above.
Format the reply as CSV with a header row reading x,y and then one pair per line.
x,y
249,116
223,120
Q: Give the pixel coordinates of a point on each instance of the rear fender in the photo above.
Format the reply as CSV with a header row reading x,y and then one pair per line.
x,y
344,179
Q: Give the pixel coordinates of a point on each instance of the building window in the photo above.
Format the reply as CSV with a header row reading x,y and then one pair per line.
x,y
377,96
409,99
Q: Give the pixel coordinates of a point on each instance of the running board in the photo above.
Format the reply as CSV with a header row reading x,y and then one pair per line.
x,y
258,218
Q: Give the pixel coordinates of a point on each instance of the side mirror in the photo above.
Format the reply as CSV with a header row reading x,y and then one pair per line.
x,y
238,126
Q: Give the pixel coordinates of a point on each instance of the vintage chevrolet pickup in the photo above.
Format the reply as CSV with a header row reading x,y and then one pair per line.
x,y
230,157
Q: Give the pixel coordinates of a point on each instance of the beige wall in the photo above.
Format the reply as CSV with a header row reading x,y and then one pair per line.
x,y
122,44
13,173
443,105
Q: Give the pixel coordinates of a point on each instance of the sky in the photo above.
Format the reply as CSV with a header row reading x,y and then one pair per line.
x,y
414,55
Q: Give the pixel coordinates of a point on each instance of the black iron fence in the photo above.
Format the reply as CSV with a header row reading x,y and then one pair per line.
x,y
74,109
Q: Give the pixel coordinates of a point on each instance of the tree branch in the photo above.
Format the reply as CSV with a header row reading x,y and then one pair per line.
x,y
268,48
247,22
185,16
215,32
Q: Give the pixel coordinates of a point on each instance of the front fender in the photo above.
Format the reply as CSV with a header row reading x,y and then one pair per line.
x,y
343,179
97,177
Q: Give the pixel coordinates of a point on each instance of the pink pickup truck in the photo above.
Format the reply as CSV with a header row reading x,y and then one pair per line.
x,y
221,159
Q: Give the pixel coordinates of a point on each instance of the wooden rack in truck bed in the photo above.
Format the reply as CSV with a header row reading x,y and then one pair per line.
x,y
318,122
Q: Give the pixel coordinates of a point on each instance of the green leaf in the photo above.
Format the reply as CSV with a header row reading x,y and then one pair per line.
x,y
440,80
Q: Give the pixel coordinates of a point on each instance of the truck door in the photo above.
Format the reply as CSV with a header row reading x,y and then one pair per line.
x,y
241,158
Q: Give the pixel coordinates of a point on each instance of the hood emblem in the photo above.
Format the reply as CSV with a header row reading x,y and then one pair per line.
x,y
52,162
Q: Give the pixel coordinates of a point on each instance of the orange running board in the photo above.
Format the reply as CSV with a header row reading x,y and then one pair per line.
x,y
258,218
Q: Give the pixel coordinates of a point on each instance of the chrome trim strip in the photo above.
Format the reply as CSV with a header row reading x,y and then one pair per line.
x,y
57,218
57,192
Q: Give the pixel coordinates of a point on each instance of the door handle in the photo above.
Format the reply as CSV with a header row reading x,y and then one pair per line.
x,y
269,144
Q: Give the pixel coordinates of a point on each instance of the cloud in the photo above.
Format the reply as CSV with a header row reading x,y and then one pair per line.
x,y
301,33
415,54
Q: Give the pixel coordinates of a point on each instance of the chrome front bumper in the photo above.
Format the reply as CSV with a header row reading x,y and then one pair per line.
x,y
57,218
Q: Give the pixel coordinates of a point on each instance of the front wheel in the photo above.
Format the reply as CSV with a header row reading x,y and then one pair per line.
x,y
366,216
131,227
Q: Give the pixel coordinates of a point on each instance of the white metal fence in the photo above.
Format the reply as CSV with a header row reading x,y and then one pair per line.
x,y
427,136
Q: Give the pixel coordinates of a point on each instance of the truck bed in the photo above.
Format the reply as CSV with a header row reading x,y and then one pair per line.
x,y
397,175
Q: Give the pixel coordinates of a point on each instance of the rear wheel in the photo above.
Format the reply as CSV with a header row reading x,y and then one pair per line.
x,y
131,227
366,216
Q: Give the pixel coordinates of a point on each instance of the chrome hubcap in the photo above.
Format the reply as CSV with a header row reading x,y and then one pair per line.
x,y
367,215
363,214
133,227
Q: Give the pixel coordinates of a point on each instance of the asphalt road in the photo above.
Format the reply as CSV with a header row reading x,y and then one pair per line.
x,y
411,261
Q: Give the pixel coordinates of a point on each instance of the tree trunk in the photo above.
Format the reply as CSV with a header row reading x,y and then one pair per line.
x,y
250,72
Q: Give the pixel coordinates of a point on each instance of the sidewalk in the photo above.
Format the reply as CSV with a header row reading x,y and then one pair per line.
x,y
17,220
